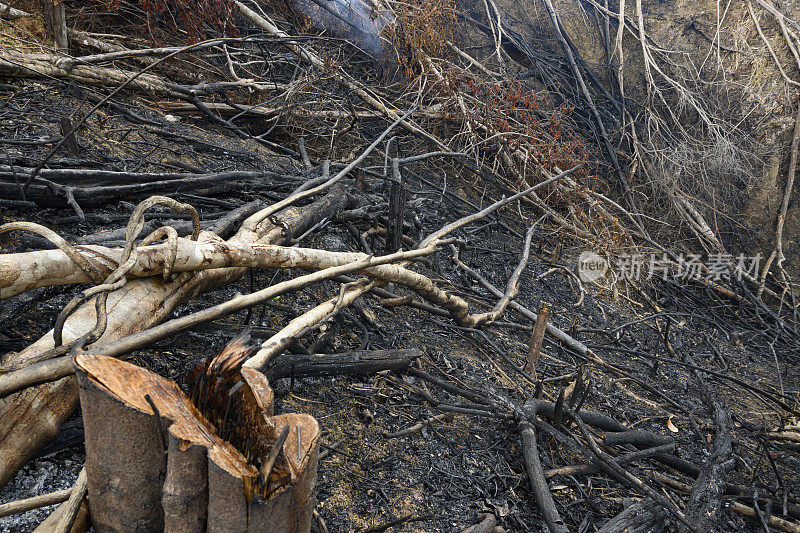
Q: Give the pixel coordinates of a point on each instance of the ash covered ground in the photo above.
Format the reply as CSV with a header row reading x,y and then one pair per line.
x,y
443,477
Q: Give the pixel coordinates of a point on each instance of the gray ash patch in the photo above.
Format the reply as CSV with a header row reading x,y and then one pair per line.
x,y
56,471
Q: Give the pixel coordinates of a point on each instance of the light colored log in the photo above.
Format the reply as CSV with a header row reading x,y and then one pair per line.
x,y
85,39
35,502
37,65
17,271
21,272
30,419
8,12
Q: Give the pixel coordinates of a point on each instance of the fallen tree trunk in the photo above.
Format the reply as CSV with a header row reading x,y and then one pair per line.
x,y
54,265
315,259
340,364
645,516
8,12
84,70
26,271
25,65
30,418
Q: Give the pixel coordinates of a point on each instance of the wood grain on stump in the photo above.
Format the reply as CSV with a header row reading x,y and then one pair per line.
x,y
158,459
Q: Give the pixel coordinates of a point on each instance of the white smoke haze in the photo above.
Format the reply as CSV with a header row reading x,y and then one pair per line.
x,y
357,21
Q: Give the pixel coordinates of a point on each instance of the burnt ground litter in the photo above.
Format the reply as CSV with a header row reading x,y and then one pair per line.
x,y
444,476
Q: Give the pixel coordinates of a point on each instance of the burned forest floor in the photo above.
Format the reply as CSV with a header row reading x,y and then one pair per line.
x,y
443,476
661,397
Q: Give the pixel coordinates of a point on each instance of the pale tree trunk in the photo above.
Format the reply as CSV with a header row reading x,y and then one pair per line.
x,y
56,17
30,419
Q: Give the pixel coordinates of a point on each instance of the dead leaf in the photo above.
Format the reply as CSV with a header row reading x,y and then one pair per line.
x,y
670,426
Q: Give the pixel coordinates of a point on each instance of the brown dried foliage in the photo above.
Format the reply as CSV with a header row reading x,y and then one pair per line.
x,y
423,27
523,120
507,119
198,18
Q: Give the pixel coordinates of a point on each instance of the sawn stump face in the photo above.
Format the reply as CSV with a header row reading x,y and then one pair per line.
x,y
157,462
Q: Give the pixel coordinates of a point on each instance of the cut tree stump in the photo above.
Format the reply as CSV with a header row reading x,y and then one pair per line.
x,y
56,18
158,459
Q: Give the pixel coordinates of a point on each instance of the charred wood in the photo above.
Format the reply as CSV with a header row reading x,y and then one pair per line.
x,y
348,363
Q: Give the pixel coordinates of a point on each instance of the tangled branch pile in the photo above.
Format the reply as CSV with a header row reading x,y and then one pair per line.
x,y
488,133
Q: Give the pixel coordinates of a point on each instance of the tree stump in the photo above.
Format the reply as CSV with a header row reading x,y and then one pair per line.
x,y
158,459
56,18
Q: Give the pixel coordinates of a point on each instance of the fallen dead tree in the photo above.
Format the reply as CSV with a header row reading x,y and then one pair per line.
x,y
8,12
116,322
29,423
196,263
47,66
85,70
